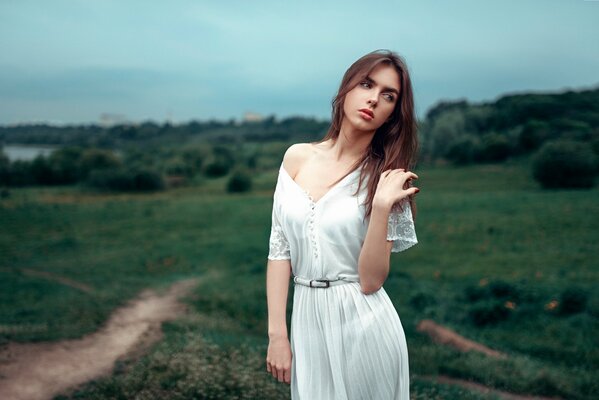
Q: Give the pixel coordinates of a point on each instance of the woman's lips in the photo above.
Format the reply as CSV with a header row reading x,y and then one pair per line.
x,y
366,114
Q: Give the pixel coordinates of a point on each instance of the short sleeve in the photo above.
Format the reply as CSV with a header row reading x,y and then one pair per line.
x,y
278,244
400,228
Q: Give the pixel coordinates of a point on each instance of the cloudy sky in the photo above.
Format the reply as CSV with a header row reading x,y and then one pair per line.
x,y
70,61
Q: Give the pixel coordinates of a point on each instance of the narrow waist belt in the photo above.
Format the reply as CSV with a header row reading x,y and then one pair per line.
x,y
320,283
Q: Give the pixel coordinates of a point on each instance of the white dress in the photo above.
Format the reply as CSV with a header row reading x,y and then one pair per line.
x,y
346,345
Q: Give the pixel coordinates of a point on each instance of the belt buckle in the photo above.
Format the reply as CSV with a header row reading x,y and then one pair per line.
x,y
320,280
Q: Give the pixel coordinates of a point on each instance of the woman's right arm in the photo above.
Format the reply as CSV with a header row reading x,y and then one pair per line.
x,y
278,359
278,273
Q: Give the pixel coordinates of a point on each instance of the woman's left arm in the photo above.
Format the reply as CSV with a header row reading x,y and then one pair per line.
x,y
373,263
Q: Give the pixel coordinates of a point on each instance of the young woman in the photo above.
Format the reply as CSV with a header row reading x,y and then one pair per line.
x,y
340,207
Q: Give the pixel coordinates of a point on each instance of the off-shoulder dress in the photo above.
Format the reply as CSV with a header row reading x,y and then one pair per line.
x,y
346,345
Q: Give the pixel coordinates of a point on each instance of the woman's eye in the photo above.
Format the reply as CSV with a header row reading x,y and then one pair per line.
x,y
365,83
389,97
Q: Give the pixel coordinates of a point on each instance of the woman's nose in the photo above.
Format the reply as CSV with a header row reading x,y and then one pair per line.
x,y
372,101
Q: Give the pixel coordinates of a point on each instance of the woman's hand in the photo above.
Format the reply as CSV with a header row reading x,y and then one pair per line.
x,y
390,187
278,359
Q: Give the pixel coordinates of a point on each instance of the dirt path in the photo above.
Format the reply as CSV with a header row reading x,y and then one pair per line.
x,y
43,370
483,389
447,337
60,279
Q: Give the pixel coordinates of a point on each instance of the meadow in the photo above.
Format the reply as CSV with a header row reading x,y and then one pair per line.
x,y
499,260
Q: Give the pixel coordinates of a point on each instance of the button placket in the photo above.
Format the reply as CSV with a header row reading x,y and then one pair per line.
x,y
311,227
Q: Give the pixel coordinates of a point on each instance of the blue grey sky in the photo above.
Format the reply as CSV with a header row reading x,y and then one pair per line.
x,y
70,61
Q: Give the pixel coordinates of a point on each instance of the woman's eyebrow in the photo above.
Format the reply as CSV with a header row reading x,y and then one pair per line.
x,y
390,89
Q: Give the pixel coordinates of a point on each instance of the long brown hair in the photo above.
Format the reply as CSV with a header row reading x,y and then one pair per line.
x,y
395,143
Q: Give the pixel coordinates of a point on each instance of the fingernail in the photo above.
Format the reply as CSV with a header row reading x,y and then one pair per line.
x,y
417,190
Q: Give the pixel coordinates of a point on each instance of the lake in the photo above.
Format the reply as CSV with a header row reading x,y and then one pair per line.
x,y
24,152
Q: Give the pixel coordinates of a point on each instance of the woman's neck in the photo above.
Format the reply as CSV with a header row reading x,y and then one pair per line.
x,y
350,144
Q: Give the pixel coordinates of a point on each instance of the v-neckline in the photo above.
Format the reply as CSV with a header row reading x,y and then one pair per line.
x,y
307,193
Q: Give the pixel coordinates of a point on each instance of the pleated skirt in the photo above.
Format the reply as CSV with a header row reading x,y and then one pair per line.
x,y
347,345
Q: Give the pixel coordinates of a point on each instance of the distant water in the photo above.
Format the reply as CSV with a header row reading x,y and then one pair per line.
x,y
26,153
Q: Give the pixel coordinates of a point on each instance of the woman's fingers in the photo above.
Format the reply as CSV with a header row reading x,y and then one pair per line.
x,y
413,190
279,374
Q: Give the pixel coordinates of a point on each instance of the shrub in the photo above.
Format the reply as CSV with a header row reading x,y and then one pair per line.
x,y
97,159
462,150
120,179
41,170
65,165
488,313
112,179
240,181
20,174
533,134
494,147
4,168
572,300
501,289
474,293
422,300
565,164
147,180
217,169
178,167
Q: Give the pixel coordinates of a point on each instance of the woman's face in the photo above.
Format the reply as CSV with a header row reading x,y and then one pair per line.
x,y
377,93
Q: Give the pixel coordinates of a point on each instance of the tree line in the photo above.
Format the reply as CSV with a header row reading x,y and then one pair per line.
x,y
558,130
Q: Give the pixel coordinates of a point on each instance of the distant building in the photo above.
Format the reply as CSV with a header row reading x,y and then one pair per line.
x,y
110,119
252,117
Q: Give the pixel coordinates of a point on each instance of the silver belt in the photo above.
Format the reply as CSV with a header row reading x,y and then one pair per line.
x,y
320,283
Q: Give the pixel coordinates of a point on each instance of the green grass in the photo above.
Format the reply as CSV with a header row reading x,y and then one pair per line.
x,y
488,235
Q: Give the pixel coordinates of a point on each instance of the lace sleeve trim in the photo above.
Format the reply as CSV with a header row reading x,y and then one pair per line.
x,y
400,228
278,244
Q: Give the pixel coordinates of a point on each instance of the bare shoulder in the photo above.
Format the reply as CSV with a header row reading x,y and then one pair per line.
x,y
295,155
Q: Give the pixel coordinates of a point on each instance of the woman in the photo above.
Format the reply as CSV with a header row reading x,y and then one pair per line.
x,y
336,235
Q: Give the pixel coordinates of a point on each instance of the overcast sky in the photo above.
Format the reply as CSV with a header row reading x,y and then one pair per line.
x,y
68,61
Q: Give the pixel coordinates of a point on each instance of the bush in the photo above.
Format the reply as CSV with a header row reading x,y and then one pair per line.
x,y
533,134
113,179
240,181
20,174
487,313
4,168
65,165
42,171
474,293
494,147
422,300
565,164
97,159
462,150
178,167
217,169
572,301
147,180
120,179
501,290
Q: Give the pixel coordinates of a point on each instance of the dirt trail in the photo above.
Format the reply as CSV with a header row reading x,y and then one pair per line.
x,y
37,371
60,279
483,389
448,337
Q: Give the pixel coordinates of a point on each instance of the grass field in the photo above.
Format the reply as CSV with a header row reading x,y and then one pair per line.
x,y
499,260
